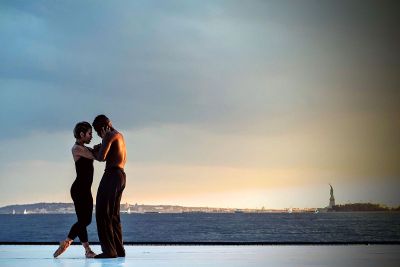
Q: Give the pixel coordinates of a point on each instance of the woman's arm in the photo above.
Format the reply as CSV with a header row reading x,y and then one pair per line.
x,y
80,151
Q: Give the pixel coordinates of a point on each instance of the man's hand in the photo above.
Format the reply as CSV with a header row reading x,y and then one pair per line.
x,y
104,131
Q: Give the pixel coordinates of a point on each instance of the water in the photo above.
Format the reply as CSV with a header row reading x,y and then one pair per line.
x,y
187,227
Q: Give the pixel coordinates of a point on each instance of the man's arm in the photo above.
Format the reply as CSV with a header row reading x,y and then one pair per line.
x,y
105,146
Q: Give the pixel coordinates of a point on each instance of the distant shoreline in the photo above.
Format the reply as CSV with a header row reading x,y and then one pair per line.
x,y
68,208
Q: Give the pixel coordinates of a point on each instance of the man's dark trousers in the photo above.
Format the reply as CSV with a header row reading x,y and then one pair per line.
x,y
108,220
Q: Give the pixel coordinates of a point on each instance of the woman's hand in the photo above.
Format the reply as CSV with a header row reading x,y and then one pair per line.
x,y
96,147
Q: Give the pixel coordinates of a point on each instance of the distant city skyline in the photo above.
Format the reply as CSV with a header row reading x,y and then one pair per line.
x,y
222,103
329,206
128,208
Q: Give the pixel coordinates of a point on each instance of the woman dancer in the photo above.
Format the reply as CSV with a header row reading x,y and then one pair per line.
x,y
80,190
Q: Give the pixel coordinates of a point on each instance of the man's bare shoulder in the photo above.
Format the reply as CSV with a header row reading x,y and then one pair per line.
x,y
112,135
119,134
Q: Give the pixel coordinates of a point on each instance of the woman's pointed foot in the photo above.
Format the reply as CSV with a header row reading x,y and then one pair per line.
x,y
62,248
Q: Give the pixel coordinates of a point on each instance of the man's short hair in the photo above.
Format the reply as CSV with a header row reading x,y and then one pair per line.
x,y
101,121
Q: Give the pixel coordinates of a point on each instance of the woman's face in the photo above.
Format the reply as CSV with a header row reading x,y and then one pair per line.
x,y
87,137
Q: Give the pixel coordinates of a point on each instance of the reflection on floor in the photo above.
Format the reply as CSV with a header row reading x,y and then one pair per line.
x,y
230,256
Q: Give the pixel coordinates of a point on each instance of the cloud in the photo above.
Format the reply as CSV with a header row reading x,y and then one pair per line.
x,y
279,85
217,64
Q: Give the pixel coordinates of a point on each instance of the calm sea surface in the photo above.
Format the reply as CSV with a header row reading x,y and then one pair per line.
x,y
267,227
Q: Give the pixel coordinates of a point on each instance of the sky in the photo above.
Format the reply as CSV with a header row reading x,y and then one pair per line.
x,y
240,104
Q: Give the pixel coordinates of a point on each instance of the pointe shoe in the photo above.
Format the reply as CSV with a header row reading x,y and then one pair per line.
x,y
62,248
90,254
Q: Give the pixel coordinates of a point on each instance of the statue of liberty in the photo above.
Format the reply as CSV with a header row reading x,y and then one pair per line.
x,y
331,199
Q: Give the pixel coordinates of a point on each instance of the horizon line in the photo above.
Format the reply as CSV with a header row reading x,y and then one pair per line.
x,y
211,207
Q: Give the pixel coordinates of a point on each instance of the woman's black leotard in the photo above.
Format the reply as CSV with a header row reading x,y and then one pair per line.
x,y
82,196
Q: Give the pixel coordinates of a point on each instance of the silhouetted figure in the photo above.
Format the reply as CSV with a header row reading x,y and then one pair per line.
x,y
112,184
81,189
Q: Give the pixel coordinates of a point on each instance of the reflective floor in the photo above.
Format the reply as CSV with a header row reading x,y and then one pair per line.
x,y
352,255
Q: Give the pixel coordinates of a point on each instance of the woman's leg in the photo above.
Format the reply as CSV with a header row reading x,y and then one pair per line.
x,y
84,219
83,208
79,228
73,232
84,214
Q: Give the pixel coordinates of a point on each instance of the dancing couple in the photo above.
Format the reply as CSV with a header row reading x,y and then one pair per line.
x,y
112,150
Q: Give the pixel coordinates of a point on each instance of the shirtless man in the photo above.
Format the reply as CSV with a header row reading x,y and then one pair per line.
x,y
113,151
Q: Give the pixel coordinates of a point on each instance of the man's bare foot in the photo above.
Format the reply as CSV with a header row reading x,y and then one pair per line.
x,y
104,256
62,248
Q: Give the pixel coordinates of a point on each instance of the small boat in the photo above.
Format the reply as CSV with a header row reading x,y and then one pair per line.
x,y
128,211
25,212
13,212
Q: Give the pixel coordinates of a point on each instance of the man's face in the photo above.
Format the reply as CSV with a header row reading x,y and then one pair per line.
x,y
100,134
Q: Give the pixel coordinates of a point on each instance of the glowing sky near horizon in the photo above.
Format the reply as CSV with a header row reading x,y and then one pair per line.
x,y
222,103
